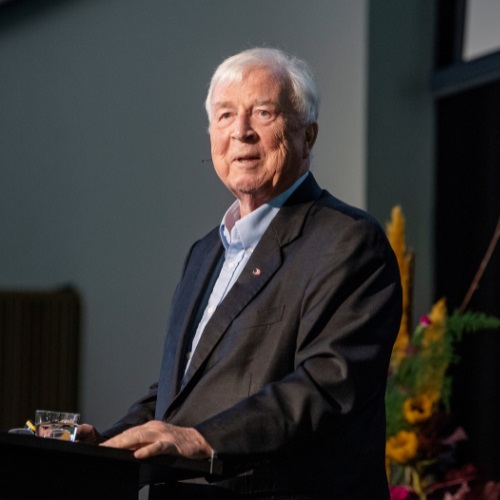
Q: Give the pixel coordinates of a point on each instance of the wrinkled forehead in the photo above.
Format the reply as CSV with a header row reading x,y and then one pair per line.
x,y
259,78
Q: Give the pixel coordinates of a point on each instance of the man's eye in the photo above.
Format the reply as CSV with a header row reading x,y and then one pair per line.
x,y
225,116
264,114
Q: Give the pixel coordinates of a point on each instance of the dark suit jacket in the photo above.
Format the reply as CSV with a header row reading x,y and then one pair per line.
x,y
288,378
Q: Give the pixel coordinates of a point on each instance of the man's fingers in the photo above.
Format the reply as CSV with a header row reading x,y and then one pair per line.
x,y
156,448
128,440
157,438
88,434
142,438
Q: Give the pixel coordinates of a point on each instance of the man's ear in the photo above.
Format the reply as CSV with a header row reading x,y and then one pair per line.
x,y
310,135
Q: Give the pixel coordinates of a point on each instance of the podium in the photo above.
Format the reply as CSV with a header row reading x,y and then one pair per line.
x,y
32,468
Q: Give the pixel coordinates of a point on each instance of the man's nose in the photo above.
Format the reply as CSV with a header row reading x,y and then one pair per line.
x,y
242,128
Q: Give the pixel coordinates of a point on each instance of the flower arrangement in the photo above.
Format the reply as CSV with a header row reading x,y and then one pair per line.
x,y
421,434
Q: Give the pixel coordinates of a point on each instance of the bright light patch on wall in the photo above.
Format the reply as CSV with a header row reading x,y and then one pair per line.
x,y
482,28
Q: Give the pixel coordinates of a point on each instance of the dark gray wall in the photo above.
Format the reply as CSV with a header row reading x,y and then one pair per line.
x,y
102,137
400,127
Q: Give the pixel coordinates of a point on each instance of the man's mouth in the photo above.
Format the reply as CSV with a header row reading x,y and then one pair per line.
x,y
247,158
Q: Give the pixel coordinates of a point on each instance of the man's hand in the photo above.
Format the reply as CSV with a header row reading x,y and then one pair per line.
x,y
87,434
158,438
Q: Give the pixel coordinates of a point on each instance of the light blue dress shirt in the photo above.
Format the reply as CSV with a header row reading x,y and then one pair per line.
x,y
239,237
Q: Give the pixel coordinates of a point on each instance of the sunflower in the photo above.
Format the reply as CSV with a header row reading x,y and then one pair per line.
x,y
402,447
419,408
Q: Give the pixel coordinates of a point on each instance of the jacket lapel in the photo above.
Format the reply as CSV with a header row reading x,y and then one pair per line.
x,y
265,261
185,302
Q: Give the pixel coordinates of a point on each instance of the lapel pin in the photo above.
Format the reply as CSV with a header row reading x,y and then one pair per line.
x,y
256,272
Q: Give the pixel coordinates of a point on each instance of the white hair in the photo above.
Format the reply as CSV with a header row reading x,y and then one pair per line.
x,y
290,69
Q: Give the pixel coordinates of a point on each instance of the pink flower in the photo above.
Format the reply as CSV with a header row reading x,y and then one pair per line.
x,y
399,492
425,321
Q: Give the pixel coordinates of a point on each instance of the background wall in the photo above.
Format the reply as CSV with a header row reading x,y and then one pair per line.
x,y
400,145
102,142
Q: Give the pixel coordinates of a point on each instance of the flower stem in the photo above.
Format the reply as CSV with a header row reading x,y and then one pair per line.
x,y
417,485
482,267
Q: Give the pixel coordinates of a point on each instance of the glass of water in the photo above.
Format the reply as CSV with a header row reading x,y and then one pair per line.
x,y
56,424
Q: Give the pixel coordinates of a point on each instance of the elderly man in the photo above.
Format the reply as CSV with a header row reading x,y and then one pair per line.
x,y
282,325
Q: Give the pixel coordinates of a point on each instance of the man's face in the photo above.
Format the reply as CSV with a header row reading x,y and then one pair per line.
x,y
259,147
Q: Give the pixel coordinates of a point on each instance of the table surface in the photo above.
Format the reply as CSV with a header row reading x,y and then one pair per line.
x,y
154,469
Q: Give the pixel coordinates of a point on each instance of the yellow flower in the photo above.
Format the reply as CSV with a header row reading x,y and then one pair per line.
x,y
419,408
395,230
438,312
437,328
402,447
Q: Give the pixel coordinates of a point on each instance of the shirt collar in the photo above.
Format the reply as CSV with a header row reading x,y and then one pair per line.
x,y
250,228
